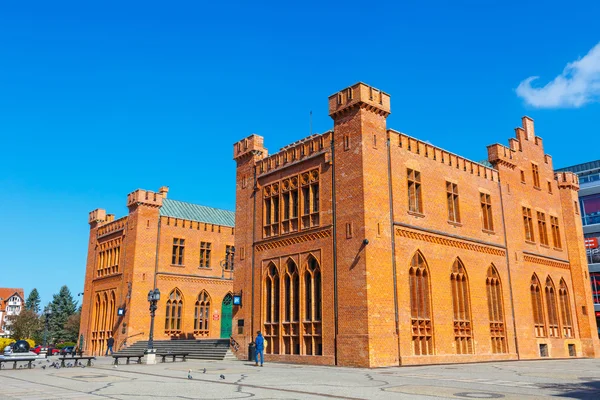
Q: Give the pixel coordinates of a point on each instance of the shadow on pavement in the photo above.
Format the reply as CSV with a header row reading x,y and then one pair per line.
x,y
588,389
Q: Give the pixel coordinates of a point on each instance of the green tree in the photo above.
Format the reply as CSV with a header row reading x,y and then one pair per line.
x,y
26,325
33,301
63,306
72,324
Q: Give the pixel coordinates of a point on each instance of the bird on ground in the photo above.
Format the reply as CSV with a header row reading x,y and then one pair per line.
x,y
189,374
43,367
204,371
222,376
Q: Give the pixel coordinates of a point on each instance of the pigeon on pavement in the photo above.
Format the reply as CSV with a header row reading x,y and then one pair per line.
x,y
189,374
222,376
204,371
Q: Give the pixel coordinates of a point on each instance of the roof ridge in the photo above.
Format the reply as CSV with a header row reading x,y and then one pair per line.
x,y
199,205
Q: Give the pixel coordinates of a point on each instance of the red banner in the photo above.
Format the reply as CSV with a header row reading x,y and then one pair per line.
x,y
591,243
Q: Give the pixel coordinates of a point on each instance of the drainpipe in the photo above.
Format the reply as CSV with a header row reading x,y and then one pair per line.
x,y
512,302
334,221
253,241
391,196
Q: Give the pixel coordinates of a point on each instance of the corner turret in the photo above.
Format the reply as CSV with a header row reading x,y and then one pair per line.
x,y
359,95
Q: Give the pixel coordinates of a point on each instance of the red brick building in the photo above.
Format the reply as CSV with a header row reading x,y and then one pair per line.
x,y
363,246
178,247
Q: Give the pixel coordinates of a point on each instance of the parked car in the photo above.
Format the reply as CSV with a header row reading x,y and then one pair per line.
x,y
39,349
67,350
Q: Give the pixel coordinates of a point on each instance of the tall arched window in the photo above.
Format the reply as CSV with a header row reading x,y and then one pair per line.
x,y
173,312
112,312
291,313
495,310
202,314
553,330
538,309
313,344
420,306
96,325
462,309
272,309
565,309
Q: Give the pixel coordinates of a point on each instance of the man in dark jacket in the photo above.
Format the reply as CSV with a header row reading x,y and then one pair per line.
x,y
260,348
110,343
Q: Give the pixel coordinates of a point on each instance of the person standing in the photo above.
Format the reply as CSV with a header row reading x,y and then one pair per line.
x,y
110,343
260,348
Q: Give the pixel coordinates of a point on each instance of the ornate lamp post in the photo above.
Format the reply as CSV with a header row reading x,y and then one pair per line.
x,y
153,298
227,263
47,314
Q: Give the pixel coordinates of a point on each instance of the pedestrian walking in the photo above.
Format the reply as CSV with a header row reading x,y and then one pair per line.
x,y
110,343
260,348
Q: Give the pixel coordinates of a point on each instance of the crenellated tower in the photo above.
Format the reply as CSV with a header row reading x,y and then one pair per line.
x,y
568,185
363,230
247,152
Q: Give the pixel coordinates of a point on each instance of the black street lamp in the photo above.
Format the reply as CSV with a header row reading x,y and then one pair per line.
x,y
153,298
227,263
48,314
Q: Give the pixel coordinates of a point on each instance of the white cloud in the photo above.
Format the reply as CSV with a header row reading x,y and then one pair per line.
x,y
578,84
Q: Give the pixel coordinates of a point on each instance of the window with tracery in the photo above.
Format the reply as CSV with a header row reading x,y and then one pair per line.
x,y
313,343
538,309
420,306
272,309
565,309
463,335
291,314
202,314
291,204
174,312
495,310
103,320
551,304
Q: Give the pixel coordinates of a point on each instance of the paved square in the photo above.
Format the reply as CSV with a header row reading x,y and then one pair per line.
x,y
574,379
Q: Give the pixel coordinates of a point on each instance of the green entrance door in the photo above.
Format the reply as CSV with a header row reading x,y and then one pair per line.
x,y
226,314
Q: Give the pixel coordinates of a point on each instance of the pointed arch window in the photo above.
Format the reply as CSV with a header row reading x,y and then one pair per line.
x,y
313,344
420,306
174,312
538,309
463,334
565,309
202,314
291,312
496,311
272,309
551,303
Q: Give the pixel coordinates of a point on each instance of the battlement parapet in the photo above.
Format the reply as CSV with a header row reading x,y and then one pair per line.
x,y
362,95
567,180
435,153
112,227
252,145
297,151
145,197
97,216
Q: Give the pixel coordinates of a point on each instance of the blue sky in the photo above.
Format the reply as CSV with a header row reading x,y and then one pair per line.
x,y
100,98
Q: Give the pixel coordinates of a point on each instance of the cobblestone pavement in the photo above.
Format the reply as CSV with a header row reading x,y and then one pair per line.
x,y
574,379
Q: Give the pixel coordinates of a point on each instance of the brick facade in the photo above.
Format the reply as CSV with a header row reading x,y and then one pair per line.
x,y
130,256
420,254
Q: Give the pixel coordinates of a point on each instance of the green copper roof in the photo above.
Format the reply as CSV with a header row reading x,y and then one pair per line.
x,y
195,212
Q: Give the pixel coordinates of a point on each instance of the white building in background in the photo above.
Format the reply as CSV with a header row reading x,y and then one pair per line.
x,y
12,301
589,204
